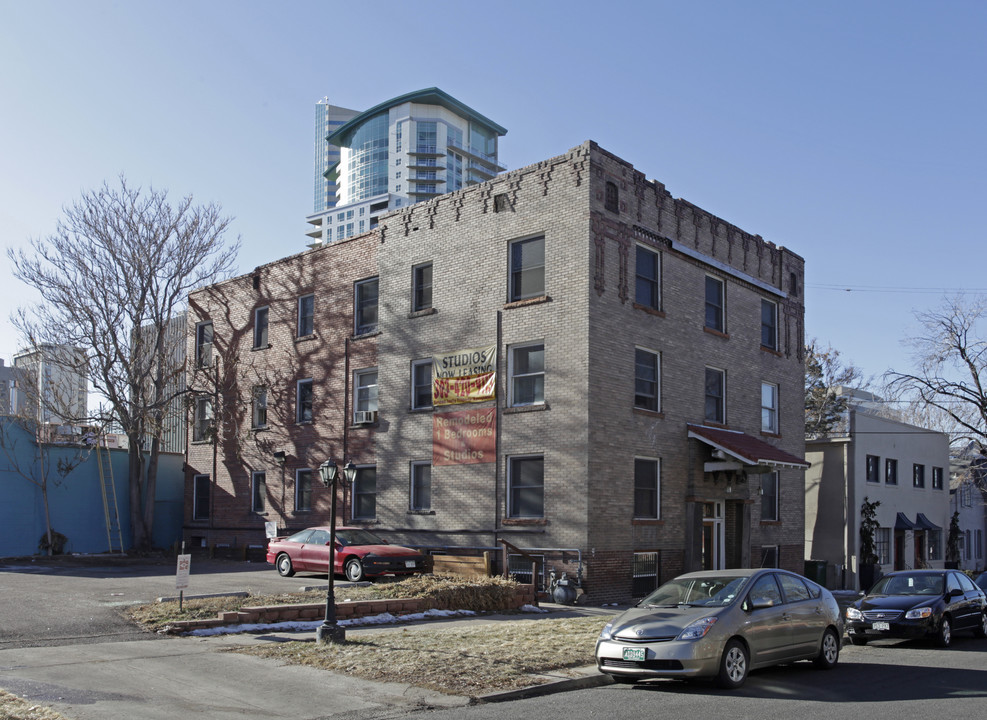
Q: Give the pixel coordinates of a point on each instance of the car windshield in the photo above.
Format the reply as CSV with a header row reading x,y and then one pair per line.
x,y
908,585
709,591
357,537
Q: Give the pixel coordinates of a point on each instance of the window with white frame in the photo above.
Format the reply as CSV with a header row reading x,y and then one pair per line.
x,y
647,380
258,492
365,493
872,472
303,395
937,478
260,327
647,290
365,390
769,497
769,408
258,414
715,304
647,489
421,384
421,486
769,325
890,471
202,423
303,490
526,486
422,287
918,475
527,268
882,545
366,306
715,390
306,315
200,497
203,344
527,374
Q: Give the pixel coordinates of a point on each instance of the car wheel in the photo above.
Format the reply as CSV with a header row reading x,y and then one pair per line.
x,y
733,666
829,653
858,640
284,566
945,634
353,570
981,631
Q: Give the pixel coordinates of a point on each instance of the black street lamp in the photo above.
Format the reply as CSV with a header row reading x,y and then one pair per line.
x,y
329,631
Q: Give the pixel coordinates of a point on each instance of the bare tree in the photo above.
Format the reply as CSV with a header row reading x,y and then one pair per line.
x,y
114,277
825,373
951,358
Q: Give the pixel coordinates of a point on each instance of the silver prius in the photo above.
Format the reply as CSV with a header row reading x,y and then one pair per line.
x,y
722,624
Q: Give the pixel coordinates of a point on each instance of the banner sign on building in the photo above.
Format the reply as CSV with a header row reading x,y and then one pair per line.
x,y
464,437
464,376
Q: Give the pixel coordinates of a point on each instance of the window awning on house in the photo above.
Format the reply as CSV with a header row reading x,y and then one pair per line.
x,y
750,451
923,523
903,523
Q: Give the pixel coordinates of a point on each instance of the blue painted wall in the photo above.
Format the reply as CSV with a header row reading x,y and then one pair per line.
x,y
76,501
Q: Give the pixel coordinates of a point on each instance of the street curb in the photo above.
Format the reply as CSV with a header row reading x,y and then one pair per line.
x,y
590,677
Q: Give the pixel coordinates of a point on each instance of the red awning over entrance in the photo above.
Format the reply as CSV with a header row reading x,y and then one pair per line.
x,y
748,450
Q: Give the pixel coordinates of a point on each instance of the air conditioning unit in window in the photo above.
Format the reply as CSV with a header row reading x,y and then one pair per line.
x,y
364,417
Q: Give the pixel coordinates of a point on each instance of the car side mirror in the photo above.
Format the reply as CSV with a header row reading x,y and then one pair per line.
x,y
954,592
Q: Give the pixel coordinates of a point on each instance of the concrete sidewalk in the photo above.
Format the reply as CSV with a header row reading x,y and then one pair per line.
x,y
164,678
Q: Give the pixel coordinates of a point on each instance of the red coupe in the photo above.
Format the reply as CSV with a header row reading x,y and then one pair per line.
x,y
359,554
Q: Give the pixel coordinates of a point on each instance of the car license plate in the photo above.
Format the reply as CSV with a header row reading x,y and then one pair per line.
x,y
409,563
881,626
634,654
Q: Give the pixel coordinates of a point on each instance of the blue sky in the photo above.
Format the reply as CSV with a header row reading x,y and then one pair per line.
x,y
850,132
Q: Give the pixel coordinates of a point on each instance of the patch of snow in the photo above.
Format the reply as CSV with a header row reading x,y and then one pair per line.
x,y
310,625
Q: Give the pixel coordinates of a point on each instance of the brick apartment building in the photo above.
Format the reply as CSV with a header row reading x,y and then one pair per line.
x,y
565,358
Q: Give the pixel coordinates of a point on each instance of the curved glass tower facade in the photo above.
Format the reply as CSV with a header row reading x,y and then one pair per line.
x,y
364,161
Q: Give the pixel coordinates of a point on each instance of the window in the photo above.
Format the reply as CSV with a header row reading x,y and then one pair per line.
x,y
873,462
647,489
937,478
934,546
366,306
306,315
526,487
527,373
882,545
258,415
647,373
203,344
648,288
527,268
715,410
200,497
303,411
611,199
422,281
303,490
365,493
765,591
258,492
794,588
891,471
769,497
202,423
918,475
421,384
421,486
714,304
365,387
769,325
769,408
260,327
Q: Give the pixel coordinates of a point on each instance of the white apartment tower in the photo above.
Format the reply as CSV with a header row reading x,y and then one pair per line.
x,y
407,149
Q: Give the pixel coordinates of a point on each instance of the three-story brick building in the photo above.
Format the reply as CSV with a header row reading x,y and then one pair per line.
x,y
565,358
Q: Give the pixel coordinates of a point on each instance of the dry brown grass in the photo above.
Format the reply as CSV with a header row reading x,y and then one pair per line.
x,y
468,660
15,708
458,593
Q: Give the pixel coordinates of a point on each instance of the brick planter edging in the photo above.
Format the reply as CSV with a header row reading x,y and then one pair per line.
x,y
523,595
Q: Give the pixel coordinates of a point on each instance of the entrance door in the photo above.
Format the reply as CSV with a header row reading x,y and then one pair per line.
x,y
713,555
899,550
920,549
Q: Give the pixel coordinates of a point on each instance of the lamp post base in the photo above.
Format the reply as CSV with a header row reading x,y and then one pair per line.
x,y
328,634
